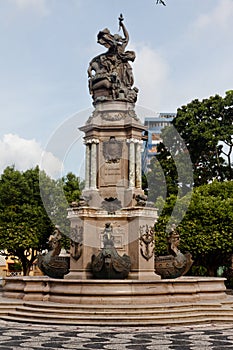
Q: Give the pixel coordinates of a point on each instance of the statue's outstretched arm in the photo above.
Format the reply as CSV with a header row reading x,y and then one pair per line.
x,y
125,32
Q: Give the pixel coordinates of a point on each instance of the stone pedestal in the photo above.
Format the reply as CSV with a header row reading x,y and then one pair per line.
x,y
113,193
113,139
132,230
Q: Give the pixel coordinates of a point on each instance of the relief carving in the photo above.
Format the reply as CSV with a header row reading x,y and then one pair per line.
x,y
76,243
146,241
112,150
113,116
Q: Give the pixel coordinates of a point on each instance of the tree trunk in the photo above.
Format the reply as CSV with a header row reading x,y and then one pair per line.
x,y
26,263
26,267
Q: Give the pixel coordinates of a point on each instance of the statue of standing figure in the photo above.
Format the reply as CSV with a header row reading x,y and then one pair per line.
x,y
110,74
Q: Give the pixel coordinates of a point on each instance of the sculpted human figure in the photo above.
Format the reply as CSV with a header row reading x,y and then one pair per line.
x,y
108,237
174,241
55,242
110,74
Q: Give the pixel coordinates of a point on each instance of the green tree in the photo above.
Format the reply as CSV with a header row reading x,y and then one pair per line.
x,y
206,230
170,171
31,204
24,223
201,136
72,186
57,195
206,126
162,177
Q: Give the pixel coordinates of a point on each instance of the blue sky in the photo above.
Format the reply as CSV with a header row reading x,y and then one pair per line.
x,y
183,51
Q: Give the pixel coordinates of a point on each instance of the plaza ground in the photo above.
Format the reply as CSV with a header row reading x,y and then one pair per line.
x,y
15,336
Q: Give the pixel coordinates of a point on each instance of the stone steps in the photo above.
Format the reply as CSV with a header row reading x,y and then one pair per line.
x,y
173,314
171,321
7,305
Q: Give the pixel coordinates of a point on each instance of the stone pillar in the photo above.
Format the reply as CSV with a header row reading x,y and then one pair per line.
x,y
141,243
93,163
87,167
138,165
131,163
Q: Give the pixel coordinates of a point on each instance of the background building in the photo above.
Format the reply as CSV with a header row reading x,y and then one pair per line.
x,y
155,125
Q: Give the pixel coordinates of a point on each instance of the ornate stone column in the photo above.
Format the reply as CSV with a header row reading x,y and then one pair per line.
x,y
87,166
138,164
93,166
131,163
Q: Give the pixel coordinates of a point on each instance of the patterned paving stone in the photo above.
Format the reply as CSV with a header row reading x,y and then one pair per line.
x,y
16,336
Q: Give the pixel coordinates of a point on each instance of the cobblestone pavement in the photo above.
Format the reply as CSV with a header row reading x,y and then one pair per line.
x,y
14,336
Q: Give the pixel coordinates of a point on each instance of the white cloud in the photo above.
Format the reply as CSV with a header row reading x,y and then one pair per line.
x,y
26,154
38,6
151,76
219,18
200,57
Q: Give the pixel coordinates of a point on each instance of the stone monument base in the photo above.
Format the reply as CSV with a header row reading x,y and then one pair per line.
x,y
183,301
115,292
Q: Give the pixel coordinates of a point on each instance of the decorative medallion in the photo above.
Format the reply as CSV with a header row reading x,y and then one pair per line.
x,y
146,241
112,150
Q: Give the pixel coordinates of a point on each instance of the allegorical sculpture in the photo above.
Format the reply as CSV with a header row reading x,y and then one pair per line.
x,y
110,74
176,264
109,264
113,138
51,264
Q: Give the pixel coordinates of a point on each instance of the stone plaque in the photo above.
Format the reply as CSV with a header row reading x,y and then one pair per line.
x,y
117,240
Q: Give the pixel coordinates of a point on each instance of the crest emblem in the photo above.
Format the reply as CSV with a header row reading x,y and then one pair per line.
x,y
112,150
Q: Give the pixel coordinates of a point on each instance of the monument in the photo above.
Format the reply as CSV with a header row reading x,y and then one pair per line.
x,y
111,277
113,190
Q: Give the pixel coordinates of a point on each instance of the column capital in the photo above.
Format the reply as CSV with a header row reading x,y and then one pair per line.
x,y
90,141
133,140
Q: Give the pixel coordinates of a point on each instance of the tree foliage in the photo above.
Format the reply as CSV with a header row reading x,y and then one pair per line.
x,y
206,230
24,223
72,186
170,171
162,177
207,128
31,204
201,135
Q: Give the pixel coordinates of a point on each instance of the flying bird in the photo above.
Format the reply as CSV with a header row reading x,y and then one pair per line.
x,y
160,2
